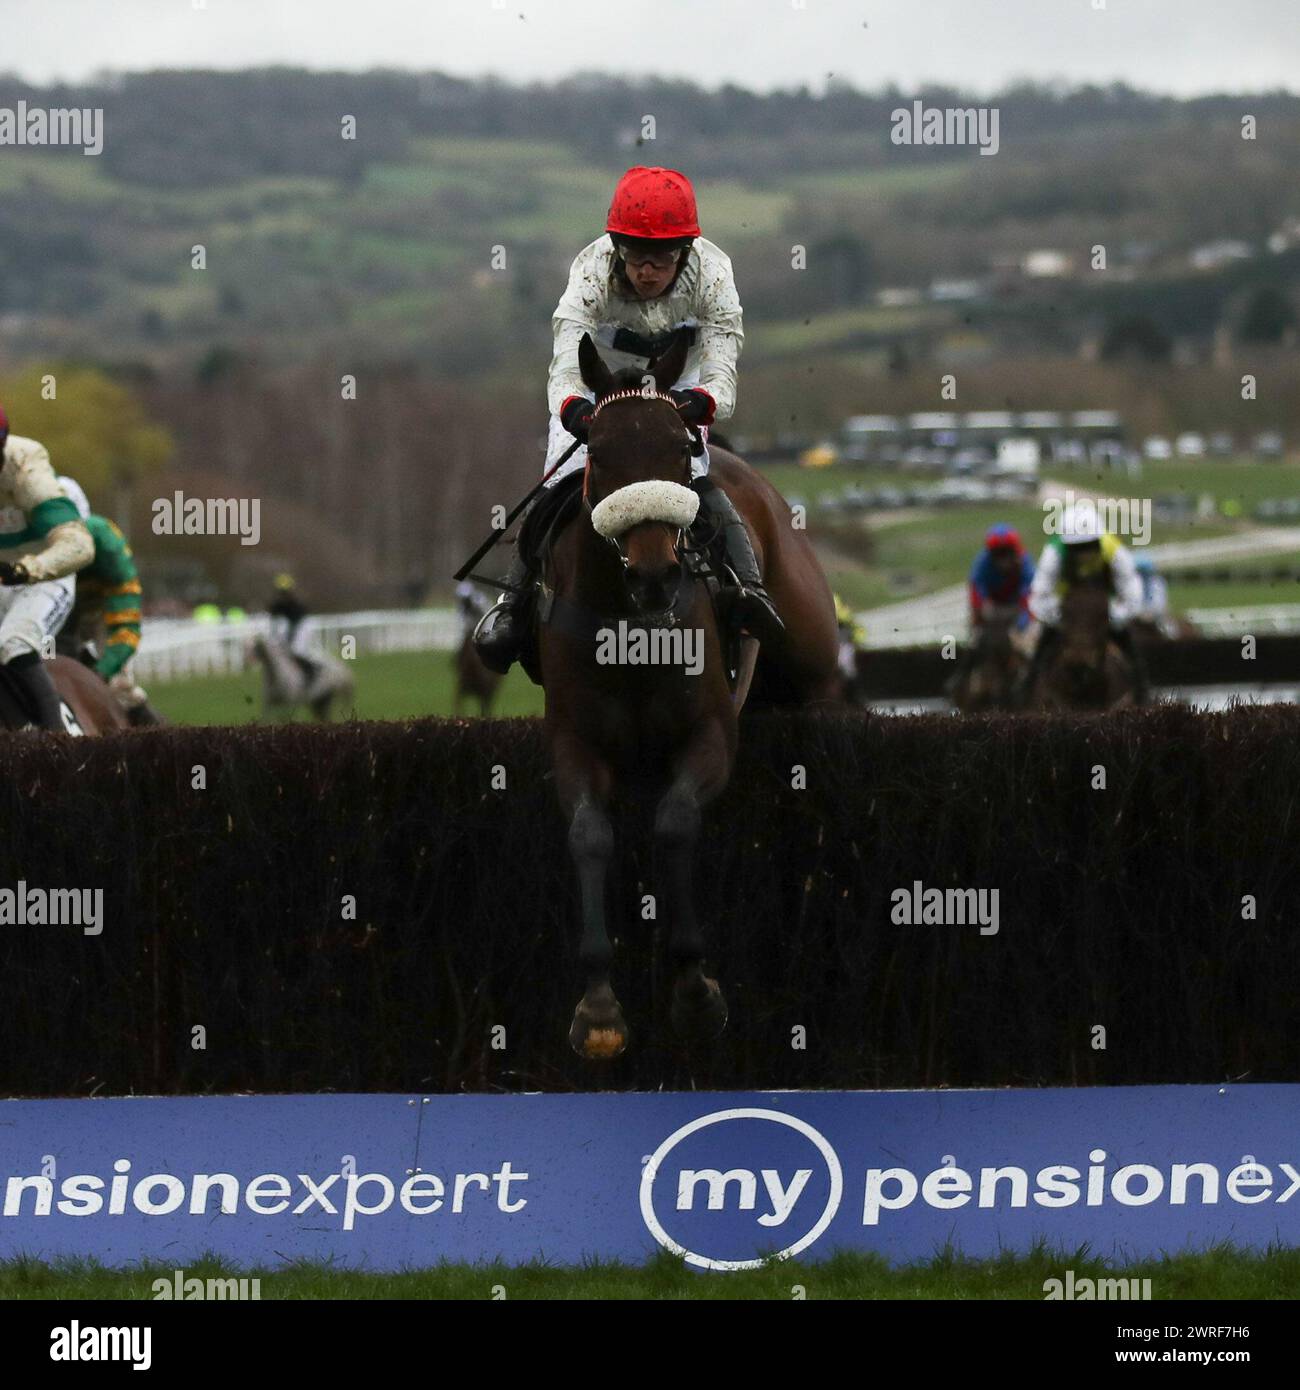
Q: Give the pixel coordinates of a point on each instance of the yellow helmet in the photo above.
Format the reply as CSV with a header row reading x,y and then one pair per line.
x,y
284,581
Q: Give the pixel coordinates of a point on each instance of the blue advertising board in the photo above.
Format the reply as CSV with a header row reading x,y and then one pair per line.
x,y
386,1182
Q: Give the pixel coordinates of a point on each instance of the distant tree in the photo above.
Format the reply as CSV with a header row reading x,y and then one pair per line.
x,y
1136,338
216,364
1267,316
95,429
843,269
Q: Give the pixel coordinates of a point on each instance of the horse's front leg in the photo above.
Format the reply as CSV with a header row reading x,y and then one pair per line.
x,y
699,1010
599,1032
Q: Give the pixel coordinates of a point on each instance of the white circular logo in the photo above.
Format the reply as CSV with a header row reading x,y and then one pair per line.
x,y
655,1162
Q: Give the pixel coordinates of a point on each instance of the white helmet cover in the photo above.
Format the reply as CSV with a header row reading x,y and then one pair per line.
x,y
1080,525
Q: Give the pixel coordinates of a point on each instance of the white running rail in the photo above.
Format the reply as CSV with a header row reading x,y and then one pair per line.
x,y
1235,622
178,649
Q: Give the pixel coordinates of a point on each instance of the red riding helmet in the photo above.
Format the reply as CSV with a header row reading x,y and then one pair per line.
x,y
1002,537
654,205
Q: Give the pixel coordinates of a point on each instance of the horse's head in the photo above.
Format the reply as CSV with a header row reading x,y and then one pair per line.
x,y
639,471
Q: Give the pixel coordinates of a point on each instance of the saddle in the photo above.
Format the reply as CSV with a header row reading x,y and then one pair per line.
x,y
545,521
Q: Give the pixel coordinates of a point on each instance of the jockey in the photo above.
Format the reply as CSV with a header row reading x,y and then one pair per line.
x,y
1083,550
108,596
651,274
851,635
289,626
1154,607
999,578
44,543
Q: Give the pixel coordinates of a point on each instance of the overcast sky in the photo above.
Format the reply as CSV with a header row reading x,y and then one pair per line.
x,y
1179,46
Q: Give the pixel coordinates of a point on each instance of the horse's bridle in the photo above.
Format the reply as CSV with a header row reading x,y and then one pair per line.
x,y
638,393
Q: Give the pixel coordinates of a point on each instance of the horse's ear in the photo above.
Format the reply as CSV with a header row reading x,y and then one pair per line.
x,y
667,368
595,374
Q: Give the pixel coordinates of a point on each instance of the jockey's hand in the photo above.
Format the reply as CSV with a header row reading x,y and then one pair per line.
x,y
575,416
14,572
695,406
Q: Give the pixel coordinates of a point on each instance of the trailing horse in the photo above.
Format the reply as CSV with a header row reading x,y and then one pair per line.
x,y
996,664
473,679
633,658
285,685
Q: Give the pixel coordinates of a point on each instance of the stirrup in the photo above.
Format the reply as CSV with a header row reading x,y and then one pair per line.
x,y
753,610
498,646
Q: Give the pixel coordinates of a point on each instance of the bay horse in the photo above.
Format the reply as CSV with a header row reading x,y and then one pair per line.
x,y
624,563
89,706
1087,670
473,679
995,666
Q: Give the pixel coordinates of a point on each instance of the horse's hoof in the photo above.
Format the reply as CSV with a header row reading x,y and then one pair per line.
x,y
699,1011
598,1032
598,1044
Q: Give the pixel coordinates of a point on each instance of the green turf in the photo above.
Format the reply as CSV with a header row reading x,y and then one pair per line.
x,y
807,334
872,185
394,685
1185,596
1246,479
1219,1273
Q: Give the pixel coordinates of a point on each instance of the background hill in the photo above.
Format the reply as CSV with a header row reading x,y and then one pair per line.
x,y
425,256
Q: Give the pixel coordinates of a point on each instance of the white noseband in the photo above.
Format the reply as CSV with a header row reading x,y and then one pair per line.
x,y
653,500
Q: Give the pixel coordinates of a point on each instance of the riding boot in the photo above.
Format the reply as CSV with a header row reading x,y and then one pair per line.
x,y
1046,641
1124,640
35,679
751,606
499,636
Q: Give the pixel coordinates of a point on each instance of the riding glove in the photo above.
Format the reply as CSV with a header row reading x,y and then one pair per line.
x,y
575,416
